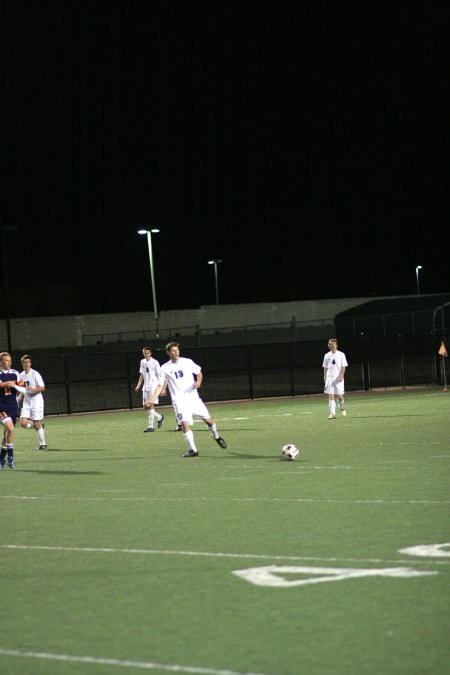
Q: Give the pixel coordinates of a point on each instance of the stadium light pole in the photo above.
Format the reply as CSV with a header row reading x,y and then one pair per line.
x,y
215,262
5,229
152,273
418,267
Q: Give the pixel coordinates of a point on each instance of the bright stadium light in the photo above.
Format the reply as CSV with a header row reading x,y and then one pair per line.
x,y
215,263
152,273
418,267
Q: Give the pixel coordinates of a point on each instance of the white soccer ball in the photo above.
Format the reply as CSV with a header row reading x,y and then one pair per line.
x,y
290,451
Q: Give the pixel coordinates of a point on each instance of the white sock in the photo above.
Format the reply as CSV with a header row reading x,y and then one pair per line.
x,y
332,407
213,430
41,436
151,418
189,436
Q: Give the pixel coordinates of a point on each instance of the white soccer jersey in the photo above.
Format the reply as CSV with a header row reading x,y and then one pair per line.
x,y
179,376
33,379
334,364
33,404
150,370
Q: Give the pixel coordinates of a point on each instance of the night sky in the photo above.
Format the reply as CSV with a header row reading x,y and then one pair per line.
x,y
304,143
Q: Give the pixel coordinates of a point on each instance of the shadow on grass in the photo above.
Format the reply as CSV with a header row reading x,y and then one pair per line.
x,y
239,455
62,473
368,417
44,452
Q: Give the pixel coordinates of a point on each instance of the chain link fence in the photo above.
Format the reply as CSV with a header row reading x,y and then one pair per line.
x,y
94,382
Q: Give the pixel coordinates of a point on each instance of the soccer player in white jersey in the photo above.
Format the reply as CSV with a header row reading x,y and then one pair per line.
x,y
178,374
334,367
149,369
32,412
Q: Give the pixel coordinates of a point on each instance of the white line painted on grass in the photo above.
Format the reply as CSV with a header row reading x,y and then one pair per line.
x,y
300,500
141,665
208,554
428,550
272,575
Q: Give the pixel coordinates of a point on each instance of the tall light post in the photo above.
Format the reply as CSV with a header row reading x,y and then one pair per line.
x,y
152,273
418,267
5,229
215,262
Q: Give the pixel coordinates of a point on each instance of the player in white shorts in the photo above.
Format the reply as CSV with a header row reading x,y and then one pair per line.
x,y
184,377
334,367
149,370
32,412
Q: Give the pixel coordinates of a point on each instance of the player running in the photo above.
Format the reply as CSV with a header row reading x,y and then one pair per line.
x,y
179,374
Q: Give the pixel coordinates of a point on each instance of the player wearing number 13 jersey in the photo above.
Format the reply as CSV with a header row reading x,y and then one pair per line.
x,y
10,386
184,378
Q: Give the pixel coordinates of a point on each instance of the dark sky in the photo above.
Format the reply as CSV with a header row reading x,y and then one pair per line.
x,y
304,143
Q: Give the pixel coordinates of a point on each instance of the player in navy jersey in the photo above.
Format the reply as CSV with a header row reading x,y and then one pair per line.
x,y
10,387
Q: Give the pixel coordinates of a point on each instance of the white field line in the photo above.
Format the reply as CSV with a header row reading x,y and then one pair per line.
x,y
290,500
208,554
141,665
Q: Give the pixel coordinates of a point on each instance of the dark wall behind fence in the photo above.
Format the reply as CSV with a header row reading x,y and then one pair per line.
x,y
93,382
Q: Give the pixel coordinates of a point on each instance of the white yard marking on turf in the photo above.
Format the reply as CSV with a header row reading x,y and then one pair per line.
x,y
141,665
300,500
271,575
208,554
428,550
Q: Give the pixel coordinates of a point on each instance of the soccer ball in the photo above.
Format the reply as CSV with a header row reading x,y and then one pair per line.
x,y
290,451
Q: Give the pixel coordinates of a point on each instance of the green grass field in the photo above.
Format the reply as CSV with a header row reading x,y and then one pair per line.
x,y
118,555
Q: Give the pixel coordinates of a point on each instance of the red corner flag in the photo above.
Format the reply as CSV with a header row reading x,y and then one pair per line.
x,y
442,350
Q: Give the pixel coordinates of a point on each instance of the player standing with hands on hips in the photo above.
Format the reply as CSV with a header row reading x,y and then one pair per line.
x,y
179,373
334,367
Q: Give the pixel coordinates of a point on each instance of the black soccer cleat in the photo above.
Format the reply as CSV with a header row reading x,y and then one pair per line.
x,y
149,429
42,447
190,453
160,422
178,428
221,442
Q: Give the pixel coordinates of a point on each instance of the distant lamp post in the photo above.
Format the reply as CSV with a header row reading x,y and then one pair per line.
x,y
152,273
215,263
418,267
5,229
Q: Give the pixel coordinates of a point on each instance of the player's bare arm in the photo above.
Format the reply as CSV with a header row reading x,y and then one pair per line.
x,y
198,381
156,393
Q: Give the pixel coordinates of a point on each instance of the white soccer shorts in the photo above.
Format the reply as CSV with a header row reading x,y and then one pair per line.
x,y
188,406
